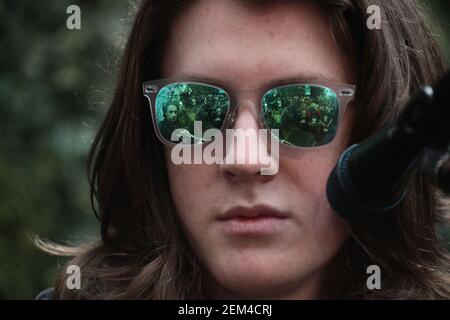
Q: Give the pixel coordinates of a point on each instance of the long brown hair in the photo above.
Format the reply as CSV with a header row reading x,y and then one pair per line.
x,y
143,253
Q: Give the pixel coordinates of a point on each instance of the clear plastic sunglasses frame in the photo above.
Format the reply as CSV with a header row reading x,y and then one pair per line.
x,y
344,93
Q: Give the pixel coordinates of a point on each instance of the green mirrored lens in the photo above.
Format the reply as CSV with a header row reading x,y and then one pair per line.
x,y
179,105
306,115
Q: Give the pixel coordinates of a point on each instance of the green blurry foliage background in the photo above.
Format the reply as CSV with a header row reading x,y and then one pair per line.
x,y
55,87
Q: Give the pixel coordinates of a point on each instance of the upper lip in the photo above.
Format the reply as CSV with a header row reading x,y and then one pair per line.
x,y
250,212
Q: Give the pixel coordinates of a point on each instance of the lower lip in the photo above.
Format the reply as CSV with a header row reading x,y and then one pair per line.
x,y
253,226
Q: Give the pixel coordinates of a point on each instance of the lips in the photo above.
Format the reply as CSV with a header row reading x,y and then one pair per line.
x,y
256,221
257,211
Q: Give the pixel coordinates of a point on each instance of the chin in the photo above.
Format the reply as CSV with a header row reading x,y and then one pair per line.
x,y
254,287
256,280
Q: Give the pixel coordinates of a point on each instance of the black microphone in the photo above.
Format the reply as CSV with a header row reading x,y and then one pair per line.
x,y
371,177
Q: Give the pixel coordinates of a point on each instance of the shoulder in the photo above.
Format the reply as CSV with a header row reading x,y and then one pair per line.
x,y
47,294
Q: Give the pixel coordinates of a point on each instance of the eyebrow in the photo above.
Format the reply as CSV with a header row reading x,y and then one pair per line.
x,y
291,78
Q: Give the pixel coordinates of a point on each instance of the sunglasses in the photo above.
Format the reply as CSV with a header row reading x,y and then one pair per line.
x,y
306,113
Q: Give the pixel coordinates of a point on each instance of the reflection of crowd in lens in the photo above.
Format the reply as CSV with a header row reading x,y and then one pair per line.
x,y
210,109
304,115
308,119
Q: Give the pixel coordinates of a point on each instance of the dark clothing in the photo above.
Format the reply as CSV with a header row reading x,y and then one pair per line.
x,y
167,127
47,294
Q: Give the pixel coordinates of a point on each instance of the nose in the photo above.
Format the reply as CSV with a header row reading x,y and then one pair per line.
x,y
247,147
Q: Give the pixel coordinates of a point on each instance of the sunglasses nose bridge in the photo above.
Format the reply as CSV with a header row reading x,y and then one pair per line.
x,y
246,113
246,100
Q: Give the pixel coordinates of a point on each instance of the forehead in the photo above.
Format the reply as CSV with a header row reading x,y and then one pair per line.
x,y
223,40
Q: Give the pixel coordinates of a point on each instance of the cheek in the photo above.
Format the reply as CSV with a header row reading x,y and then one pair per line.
x,y
306,177
309,170
187,184
191,187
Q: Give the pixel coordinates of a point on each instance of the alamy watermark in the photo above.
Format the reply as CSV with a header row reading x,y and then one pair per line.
x,y
374,280
74,279
73,21
374,20
192,151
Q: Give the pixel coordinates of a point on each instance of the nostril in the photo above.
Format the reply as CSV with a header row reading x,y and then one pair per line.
x,y
229,174
244,174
